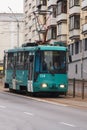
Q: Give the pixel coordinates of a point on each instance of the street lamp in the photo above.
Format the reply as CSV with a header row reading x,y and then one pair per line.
x,y
17,26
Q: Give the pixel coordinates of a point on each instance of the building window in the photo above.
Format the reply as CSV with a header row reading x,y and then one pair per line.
x,y
59,7
86,44
33,8
76,47
71,23
80,46
33,21
26,12
29,40
74,3
30,29
44,2
44,19
59,29
54,11
52,33
85,19
29,17
77,22
40,3
76,69
30,6
72,49
62,7
74,22
33,33
25,23
26,1
69,48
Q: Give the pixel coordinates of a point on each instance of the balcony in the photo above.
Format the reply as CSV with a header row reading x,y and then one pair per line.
x,y
62,38
84,5
43,9
74,10
84,29
51,21
61,17
74,34
51,2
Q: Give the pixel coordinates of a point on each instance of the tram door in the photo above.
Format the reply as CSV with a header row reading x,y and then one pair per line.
x,y
30,74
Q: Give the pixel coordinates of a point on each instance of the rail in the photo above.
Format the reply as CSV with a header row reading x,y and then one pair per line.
x,y
77,88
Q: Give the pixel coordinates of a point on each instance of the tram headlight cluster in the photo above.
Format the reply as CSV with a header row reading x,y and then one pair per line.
x,y
44,85
62,86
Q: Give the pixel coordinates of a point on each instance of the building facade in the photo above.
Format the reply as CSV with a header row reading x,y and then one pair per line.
x,y
65,21
11,31
78,38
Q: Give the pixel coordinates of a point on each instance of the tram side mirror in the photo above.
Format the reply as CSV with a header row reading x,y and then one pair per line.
x,y
31,58
70,58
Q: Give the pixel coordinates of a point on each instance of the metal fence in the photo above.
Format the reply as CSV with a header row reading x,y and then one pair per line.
x,y
77,88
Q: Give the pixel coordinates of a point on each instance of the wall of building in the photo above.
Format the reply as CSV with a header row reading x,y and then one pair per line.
x,y
71,25
8,31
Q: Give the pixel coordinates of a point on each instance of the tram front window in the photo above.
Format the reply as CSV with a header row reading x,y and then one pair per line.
x,y
51,61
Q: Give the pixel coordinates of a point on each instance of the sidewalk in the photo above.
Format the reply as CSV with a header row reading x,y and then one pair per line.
x,y
1,86
68,100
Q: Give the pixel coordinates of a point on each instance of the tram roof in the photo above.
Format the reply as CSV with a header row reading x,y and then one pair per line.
x,y
39,47
48,47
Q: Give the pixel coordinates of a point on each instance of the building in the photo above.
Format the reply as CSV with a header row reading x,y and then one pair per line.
x,y
66,23
11,31
78,38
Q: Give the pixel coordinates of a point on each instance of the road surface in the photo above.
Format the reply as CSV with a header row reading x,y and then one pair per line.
x,y
18,112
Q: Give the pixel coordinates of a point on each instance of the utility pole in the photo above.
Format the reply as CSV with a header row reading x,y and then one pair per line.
x,y
17,26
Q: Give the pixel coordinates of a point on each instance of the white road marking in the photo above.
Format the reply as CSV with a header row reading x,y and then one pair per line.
x,y
2,106
27,113
64,123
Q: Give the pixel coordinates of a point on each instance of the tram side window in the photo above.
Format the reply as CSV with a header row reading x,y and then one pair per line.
x,y
44,64
20,60
10,61
37,62
5,61
26,60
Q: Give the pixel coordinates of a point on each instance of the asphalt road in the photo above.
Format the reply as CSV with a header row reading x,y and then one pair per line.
x,y
25,113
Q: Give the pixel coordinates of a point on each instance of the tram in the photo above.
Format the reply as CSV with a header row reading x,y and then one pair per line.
x,y
30,68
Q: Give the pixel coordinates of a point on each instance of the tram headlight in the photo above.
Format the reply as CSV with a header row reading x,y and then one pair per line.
x,y
44,85
62,86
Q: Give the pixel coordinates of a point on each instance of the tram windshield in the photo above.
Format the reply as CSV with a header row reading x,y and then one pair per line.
x,y
50,62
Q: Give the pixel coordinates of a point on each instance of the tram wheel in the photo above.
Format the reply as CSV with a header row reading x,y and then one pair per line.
x,y
12,90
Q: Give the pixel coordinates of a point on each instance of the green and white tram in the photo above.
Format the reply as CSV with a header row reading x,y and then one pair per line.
x,y
30,68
